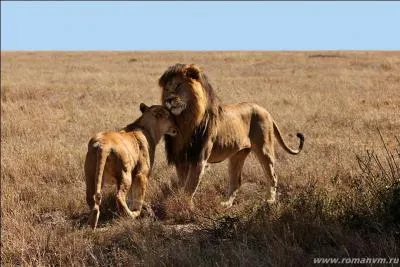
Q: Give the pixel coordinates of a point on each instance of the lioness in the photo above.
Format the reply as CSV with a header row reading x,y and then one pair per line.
x,y
212,132
125,158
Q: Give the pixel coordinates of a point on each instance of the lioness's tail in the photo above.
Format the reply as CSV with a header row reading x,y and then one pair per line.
x,y
102,154
283,144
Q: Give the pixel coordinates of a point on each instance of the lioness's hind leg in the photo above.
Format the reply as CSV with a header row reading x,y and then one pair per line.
x,y
95,213
90,173
93,200
267,162
236,163
123,188
139,186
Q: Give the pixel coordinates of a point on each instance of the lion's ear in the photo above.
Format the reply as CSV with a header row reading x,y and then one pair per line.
x,y
193,72
143,107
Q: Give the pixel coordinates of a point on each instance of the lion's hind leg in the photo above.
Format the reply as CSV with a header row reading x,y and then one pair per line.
x,y
266,160
236,163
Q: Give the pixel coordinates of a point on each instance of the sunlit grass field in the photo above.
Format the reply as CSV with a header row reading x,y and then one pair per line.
x,y
338,198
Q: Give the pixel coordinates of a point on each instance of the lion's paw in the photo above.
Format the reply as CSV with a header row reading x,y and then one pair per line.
x,y
271,201
227,204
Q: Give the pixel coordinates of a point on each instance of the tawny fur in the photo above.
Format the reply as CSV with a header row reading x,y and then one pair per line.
x,y
212,132
126,159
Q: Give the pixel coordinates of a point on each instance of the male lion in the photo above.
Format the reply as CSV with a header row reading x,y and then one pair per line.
x,y
125,158
212,132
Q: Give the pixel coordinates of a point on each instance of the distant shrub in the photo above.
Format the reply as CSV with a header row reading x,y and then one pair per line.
x,y
377,189
326,56
386,66
133,60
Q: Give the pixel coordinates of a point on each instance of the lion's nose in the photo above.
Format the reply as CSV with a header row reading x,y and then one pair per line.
x,y
170,99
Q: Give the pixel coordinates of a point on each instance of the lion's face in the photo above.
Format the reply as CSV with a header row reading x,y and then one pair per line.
x,y
183,91
176,95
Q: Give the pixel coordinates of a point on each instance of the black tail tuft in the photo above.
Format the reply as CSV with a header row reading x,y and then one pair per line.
x,y
300,136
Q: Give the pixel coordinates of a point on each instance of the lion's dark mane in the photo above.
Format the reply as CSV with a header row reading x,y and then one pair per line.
x,y
194,149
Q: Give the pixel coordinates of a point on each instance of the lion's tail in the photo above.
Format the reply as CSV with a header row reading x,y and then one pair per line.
x,y
283,144
102,154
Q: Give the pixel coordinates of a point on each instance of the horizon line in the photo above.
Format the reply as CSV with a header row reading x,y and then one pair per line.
x,y
203,50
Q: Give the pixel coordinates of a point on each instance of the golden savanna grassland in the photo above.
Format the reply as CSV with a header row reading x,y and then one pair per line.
x,y
340,197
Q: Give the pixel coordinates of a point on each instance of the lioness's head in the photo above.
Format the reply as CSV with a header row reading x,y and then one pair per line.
x,y
185,87
157,117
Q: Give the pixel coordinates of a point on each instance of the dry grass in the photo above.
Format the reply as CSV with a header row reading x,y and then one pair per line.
x,y
51,102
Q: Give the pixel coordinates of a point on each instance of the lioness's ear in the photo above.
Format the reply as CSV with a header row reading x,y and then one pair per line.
x,y
193,72
143,107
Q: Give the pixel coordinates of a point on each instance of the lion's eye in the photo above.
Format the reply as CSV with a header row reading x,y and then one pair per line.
x,y
177,87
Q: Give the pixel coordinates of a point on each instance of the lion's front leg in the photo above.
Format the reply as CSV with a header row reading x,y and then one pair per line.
x,y
182,170
196,172
194,176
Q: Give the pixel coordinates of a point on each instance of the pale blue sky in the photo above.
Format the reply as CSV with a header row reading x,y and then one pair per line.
x,y
200,25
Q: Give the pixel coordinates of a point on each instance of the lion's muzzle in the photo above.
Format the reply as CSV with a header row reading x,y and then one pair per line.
x,y
175,105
